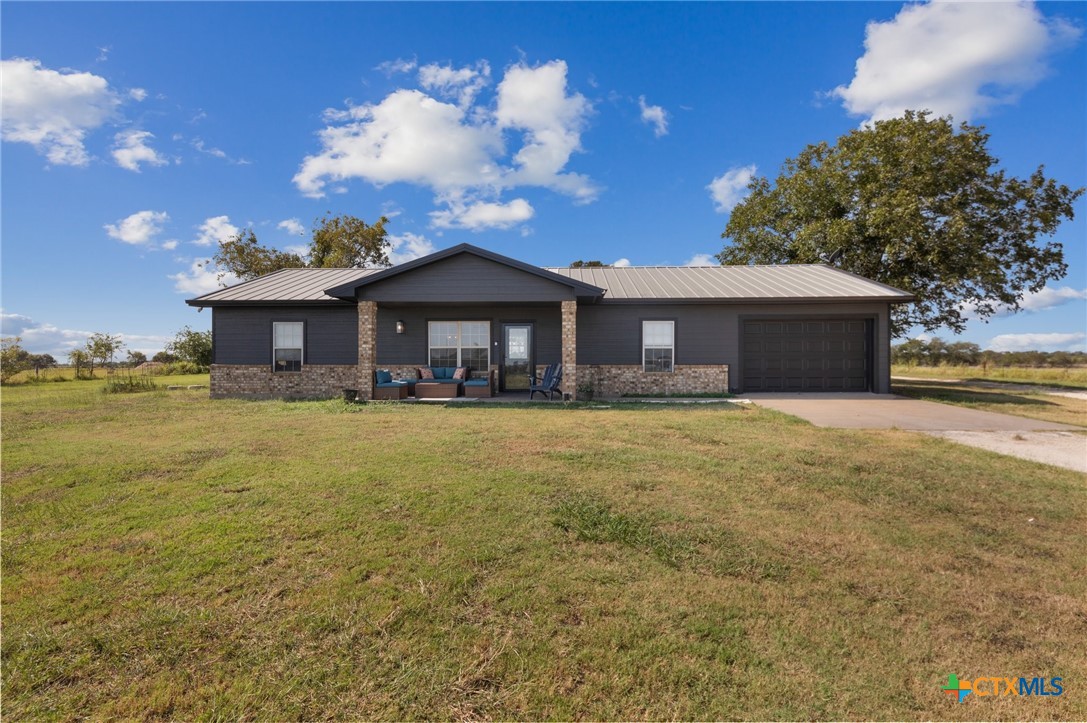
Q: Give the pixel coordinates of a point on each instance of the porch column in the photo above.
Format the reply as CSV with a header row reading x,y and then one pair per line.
x,y
569,348
367,348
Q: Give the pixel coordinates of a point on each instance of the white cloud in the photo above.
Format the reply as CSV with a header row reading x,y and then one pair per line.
x,y
458,150
535,101
655,116
200,279
957,58
701,260
215,230
170,245
139,228
621,263
409,246
51,110
400,65
292,226
407,137
200,145
130,149
1072,341
45,338
459,84
137,94
728,189
483,215
1048,298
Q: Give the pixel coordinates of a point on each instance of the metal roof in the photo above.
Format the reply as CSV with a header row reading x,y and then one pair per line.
x,y
791,282
304,286
784,283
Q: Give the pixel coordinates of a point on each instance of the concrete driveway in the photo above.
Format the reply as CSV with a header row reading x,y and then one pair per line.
x,y
1053,443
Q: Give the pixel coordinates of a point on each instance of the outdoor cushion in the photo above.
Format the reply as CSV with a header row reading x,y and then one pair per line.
x,y
384,376
460,373
447,372
476,383
425,373
438,381
390,385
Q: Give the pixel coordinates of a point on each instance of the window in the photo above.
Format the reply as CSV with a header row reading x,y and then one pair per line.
x,y
658,345
287,346
460,344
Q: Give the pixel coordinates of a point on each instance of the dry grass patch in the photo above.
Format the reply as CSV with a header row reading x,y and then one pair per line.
x,y
1020,402
168,556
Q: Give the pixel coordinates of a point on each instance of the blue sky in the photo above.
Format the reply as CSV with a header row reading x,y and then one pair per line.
x,y
137,135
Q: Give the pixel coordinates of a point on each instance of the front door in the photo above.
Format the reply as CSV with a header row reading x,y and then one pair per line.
x,y
517,362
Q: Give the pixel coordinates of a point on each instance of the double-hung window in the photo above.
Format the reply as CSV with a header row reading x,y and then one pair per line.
x,y
658,346
287,338
460,344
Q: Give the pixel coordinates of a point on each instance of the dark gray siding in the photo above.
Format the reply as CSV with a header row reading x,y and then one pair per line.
x,y
243,335
710,333
465,279
411,346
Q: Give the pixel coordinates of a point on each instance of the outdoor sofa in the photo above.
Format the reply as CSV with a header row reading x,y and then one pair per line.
x,y
441,384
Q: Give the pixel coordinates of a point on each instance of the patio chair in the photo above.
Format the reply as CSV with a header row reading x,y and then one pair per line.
x,y
547,384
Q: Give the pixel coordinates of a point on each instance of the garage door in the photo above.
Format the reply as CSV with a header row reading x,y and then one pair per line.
x,y
806,355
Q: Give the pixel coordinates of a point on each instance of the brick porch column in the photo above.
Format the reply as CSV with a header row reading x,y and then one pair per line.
x,y
367,348
569,348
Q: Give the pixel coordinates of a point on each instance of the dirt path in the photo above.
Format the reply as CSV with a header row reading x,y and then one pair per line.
x,y
1062,449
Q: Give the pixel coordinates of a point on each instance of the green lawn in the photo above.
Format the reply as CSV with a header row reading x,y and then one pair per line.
x,y
166,556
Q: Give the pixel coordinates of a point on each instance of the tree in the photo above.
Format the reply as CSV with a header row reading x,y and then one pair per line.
x,y
135,358
579,264
101,347
910,352
192,346
78,359
41,361
164,357
348,242
13,358
338,242
914,204
243,256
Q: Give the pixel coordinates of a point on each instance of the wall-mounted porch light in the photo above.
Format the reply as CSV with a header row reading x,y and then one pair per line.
x,y
399,327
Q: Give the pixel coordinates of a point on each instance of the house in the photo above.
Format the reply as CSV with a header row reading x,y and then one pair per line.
x,y
631,330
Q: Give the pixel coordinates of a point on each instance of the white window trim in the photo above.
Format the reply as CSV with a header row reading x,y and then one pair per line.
x,y
301,349
670,347
459,347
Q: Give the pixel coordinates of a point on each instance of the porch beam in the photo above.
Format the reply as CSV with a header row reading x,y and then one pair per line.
x,y
569,348
367,349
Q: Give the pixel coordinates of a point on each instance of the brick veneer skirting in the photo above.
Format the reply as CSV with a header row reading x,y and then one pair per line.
x,y
258,381
615,380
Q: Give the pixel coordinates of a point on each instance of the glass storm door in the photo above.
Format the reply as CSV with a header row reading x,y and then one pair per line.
x,y
516,357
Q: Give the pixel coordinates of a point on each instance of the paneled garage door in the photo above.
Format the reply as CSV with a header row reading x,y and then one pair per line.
x,y
806,355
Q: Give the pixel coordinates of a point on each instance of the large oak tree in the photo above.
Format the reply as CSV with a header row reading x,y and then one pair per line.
x,y
915,203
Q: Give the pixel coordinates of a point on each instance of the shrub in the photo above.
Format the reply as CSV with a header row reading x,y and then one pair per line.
x,y
129,383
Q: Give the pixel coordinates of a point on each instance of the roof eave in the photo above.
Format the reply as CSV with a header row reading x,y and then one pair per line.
x,y
761,300
209,303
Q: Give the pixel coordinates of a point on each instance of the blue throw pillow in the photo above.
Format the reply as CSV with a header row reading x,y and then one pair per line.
x,y
384,376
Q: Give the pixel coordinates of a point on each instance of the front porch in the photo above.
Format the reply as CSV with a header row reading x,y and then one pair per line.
x,y
506,343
